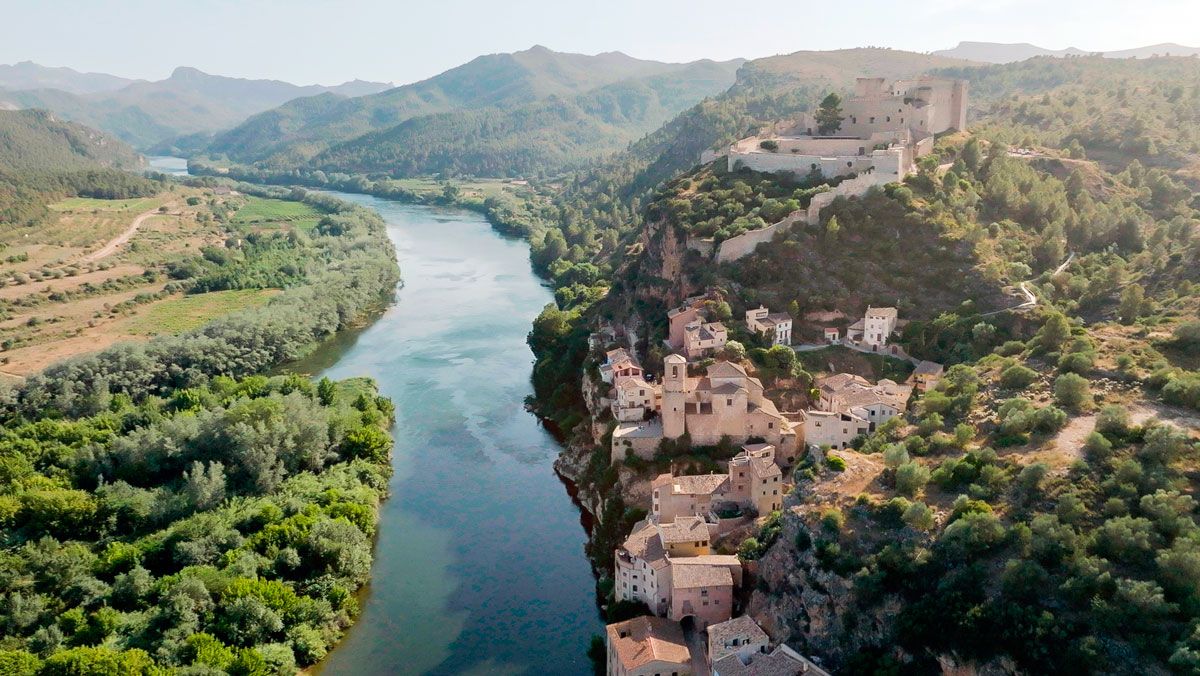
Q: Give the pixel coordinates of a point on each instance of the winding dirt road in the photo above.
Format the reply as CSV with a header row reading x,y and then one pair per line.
x,y
112,245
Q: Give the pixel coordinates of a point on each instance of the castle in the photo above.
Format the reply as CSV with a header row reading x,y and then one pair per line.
x,y
885,128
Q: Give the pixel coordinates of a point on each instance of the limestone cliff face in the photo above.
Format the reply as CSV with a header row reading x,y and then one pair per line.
x,y
800,603
660,271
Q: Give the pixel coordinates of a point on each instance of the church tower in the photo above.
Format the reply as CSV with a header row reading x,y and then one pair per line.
x,y
674,384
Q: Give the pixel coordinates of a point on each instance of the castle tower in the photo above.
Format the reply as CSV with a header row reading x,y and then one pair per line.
x,y
673,399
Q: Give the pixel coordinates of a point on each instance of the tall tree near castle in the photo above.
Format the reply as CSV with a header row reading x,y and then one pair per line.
x,y
829,114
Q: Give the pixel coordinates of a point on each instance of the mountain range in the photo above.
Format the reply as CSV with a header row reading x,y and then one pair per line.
x,y
144,113
549,106
996,52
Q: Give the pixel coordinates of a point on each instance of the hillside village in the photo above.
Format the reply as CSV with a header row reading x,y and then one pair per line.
x,y
672,561
686,570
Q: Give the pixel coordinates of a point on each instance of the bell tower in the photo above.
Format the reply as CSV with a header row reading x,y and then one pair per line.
x,y
674,384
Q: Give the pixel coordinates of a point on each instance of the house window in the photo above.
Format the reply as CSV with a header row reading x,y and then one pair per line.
x,y
728,401
770,425
889,118
872,120
635,587
704,592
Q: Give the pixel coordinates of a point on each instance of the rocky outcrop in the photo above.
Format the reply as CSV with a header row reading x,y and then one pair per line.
x,y
810,608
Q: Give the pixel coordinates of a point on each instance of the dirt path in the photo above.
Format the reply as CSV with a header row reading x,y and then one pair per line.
x,y
111,247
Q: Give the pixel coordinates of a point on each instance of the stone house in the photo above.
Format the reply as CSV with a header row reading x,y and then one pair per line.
x,y
701,339
926,376
850,406
740,636
783,661
680,317
878,403
753,480
647,646
673,496
619,364
834,429
634,399
703,589
777,325
875,328
671,568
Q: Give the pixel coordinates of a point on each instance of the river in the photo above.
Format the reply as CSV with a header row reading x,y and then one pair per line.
x,y
479,562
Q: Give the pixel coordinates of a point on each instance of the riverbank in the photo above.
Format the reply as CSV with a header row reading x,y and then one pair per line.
x,y
479,562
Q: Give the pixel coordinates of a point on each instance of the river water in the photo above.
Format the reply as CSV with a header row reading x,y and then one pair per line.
x,y
479,562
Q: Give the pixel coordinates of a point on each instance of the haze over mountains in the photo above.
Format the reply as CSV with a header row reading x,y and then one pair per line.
x,y
997,52
144,113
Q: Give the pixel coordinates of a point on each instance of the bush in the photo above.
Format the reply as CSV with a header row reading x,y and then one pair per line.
x,y
832,520
1017,377
1072,391
835,462
911,477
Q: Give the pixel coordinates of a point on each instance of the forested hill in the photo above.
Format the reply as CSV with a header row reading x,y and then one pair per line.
x,y
552,134
496,84
190,101
35,141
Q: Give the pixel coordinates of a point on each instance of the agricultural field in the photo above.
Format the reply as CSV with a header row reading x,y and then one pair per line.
x,y
261,213
106,271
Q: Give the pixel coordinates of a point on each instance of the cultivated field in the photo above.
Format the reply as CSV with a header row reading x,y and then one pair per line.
x,y
102,271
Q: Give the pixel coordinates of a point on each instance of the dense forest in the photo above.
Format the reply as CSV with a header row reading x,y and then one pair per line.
x,y
474,118
164,505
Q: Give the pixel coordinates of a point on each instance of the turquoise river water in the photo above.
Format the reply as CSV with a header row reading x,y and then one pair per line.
x,y
479,562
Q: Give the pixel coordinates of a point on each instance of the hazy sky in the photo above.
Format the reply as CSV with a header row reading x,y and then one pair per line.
x,y
306,41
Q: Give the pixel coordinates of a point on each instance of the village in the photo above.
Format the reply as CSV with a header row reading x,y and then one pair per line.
x,y
671,561
677,561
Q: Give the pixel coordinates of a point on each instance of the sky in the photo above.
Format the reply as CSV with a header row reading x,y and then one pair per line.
x,y
400,41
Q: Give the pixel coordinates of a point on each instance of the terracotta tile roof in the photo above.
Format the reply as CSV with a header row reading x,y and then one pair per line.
x,y
645,544
700,484
744,629
646,639
783,661
928,368
841,380
727,389
685,529
883,312
726,369
691,575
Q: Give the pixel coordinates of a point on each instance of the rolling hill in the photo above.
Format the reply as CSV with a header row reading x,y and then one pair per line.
x,y
996,52
498,83
33,141
190,101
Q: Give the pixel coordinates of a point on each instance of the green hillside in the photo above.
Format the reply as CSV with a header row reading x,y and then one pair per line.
x,y
35,141
552,134
302,129
43,158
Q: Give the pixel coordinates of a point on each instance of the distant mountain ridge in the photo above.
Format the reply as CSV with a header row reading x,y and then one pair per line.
x,y
37,141
997,52
30,75
495,87
144,113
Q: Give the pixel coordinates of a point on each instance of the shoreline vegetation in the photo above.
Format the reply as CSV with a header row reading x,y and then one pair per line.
x,y
166,506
